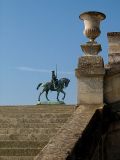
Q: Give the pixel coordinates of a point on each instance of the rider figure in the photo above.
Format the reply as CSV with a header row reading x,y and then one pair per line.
x,y
54,80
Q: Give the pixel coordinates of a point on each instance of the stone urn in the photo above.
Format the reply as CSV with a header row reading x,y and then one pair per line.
x,y
92,24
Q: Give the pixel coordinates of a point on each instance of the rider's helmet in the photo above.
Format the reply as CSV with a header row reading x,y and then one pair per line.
x,y
53,72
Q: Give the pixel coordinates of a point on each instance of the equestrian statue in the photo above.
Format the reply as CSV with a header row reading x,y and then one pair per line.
x,y
54,85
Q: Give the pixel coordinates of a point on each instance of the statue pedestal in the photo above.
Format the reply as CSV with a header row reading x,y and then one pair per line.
x,y
50,103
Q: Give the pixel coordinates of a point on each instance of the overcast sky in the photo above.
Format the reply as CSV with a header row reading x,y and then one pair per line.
x,y
35,35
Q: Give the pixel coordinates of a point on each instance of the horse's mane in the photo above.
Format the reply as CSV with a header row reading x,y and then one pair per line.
x,y
63,78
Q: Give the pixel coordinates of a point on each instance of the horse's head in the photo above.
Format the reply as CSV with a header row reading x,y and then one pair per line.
x,y
66,82
63,82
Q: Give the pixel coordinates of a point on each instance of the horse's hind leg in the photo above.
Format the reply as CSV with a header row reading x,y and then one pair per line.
x,y
40,95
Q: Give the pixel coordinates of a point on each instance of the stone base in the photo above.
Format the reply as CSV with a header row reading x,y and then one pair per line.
x,y
50,103
90,66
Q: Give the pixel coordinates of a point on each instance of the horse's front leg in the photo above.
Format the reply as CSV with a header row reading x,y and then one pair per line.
x,y
58,96
47,95
63,94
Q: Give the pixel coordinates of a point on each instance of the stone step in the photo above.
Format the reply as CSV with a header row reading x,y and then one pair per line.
x,y
10,112
26,131
19,152
27,137
46,113
22,144
6,118
31,125
16,157
34,109
33,120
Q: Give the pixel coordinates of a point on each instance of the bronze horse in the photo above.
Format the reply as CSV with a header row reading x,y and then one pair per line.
x,y
48,86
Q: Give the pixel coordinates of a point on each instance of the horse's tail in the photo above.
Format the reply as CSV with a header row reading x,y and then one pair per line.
x,y
39,86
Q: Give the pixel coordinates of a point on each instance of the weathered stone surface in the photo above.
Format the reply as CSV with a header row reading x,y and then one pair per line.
x,y
114,58
112,88
91,48
25,130
112,78
16,157
62,144
113,37
90,65
114,47
90,90
89,75
108,147
112,142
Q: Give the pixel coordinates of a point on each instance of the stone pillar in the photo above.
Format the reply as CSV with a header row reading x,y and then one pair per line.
x,y
114,47
112,78
90,70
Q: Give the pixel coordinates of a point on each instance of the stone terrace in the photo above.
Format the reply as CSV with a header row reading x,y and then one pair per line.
x,y
25,130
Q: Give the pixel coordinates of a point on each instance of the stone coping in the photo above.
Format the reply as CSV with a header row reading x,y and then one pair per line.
x,y
51,103
36,106
113,34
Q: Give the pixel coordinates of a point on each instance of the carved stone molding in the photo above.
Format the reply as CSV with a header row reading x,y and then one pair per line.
x,y
113,37
91,48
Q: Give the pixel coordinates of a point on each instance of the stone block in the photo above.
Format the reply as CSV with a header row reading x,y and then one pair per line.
x,y
90,90
90,74
112,88
90,65
114,47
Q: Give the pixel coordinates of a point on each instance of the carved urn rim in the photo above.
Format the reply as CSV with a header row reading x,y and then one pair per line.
x,y
95,14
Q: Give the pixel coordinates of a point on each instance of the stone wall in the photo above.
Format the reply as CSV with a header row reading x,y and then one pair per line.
x,y
112,142
99,84
114,47
112,88
112,77
101,138
109,144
